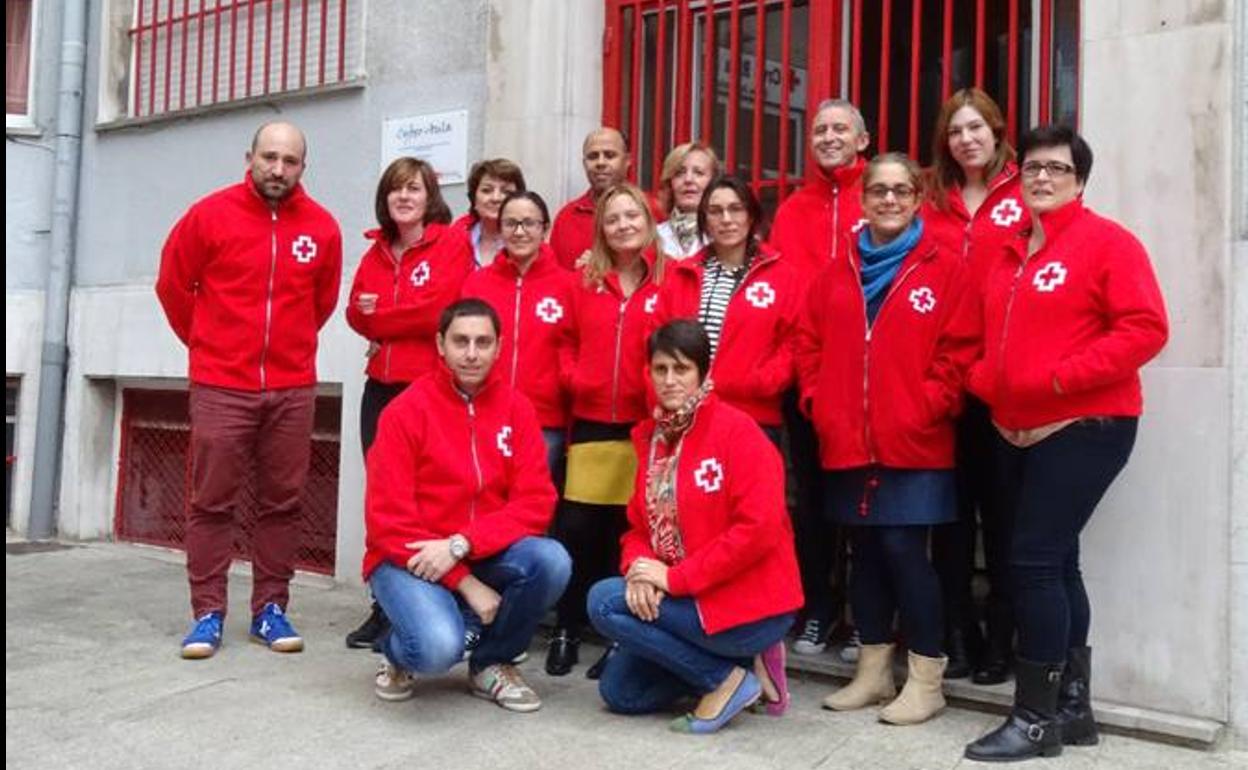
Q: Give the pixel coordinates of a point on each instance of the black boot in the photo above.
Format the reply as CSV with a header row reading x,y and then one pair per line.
x,y
1032,729
961,646
1074,700
370,631
595,671
994,663
563,652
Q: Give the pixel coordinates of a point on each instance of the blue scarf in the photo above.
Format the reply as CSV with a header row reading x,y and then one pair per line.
x,y
880,263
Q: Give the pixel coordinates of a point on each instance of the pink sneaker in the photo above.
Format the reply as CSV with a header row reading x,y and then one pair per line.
x,y
773,659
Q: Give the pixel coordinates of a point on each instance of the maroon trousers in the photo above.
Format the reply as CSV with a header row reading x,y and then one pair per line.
x,y
231,431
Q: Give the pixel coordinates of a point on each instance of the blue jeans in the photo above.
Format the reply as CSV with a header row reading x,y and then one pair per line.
x,y
427,620
638,678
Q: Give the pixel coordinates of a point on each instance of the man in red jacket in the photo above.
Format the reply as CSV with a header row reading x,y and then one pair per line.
x,y
247,278
812,227
604,154
457,498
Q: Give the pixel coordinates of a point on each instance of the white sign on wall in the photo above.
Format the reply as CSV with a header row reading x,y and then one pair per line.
x,y
441,139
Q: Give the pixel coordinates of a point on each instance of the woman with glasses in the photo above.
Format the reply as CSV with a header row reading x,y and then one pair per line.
x,y
603,372
746,298
974,208
1071,312
489,182
532,295
885,338
710,581
687,170
414,268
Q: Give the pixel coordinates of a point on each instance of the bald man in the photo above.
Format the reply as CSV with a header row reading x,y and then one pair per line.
x,y
604,154
247,278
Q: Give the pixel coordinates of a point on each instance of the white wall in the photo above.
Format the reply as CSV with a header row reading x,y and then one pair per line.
x,y
1157,553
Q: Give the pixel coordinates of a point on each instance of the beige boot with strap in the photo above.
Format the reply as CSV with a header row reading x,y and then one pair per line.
x,y
921,697
873,680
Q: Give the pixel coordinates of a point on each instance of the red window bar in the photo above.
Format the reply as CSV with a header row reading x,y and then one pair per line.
x,y
906,57
300,44
153,486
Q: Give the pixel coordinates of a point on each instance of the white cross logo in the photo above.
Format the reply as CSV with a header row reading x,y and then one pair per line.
x,y
651,301
503,440
857,228
761,295
549,310
304,249
923,300
1007,213
420,274
709,476
1049,277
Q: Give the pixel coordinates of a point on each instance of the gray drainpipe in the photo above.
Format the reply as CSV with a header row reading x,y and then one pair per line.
x,y
48,428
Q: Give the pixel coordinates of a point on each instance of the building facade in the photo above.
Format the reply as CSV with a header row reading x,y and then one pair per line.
x,y
172,96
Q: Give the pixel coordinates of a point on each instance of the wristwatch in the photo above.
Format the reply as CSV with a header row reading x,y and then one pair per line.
x,y
459,547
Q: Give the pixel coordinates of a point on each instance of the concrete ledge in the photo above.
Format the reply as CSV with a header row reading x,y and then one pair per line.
x,y
1115,717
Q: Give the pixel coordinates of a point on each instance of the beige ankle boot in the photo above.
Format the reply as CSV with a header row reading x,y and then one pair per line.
x,y
921,698
873,680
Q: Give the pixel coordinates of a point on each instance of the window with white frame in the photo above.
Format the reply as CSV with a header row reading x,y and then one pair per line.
x,y
175,55
19,24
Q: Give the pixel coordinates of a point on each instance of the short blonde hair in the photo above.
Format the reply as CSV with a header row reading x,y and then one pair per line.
x,y
671,166
601,257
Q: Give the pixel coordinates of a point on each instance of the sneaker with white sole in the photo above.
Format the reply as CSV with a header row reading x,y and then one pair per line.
x,y
393,683
504,685
849,653
204,637
272,629
813,640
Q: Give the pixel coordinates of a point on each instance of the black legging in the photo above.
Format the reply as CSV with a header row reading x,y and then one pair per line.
x,y
979,510
1056,485
376,395
891,572
591,534
821,545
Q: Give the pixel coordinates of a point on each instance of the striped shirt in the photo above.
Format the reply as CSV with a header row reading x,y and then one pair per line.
x,y
719,283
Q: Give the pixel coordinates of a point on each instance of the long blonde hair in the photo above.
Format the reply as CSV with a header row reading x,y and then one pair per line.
x,y
601,257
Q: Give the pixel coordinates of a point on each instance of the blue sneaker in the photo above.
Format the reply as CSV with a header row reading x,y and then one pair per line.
x,y
204,637
273,630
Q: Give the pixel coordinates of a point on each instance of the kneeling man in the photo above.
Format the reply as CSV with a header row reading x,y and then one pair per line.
x,y
458,496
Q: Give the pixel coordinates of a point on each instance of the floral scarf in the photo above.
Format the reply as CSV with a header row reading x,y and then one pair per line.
x,y
661,515
684,227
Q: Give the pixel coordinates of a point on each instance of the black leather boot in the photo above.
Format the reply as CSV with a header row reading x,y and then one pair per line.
x,y
994,663
1032,729
563,652
370,631
1074,700
595,671
961,646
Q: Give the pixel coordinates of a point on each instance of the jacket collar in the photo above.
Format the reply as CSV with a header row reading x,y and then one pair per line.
x,y
1053,223
543,264
433,232
1007,174
839,178
612,279
296,195
697,263
445,382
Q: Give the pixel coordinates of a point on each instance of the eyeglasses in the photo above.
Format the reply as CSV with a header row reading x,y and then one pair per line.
x,y
902,192
733,210
528,225
1055,169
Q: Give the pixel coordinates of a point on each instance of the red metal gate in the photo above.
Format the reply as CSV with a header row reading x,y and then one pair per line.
x,y
153,482
672,68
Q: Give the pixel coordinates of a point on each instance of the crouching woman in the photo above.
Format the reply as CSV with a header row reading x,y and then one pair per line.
x,y
710,583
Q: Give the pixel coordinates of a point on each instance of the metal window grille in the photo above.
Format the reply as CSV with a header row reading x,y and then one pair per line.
x,y
153,490
194,53
725,71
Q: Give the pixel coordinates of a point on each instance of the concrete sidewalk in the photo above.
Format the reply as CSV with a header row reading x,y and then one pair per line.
x,y
93,679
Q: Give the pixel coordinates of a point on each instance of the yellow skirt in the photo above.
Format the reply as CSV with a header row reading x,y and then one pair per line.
x,y
601,472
